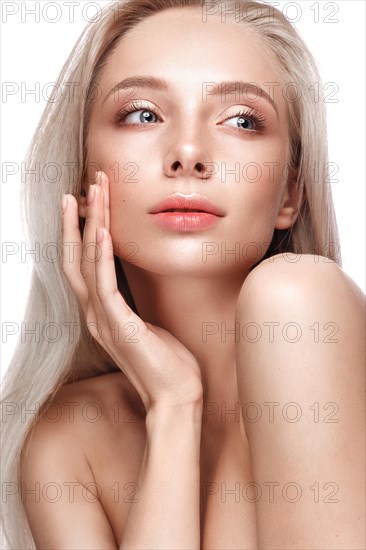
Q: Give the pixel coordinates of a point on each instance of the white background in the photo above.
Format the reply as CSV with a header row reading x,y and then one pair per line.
x,y
34,52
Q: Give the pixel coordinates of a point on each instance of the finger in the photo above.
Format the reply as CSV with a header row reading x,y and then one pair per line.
x,y
90,249
71,250
103,180
119,315
90,253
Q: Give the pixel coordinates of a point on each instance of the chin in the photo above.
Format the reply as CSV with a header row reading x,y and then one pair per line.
x,y
178,263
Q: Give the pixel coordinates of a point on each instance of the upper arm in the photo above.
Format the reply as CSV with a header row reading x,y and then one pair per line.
x,y
301,380
62,510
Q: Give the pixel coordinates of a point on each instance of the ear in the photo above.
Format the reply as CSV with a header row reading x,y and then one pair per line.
x,y
290,204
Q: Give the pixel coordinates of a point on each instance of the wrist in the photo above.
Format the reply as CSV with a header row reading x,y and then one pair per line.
x,y
170,416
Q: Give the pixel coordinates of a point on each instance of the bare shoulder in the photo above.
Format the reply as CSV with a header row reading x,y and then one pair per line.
x,y
305,313
59,480
96,399
303,279
82,412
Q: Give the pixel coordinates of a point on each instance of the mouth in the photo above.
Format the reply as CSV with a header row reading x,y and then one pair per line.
x,y
185,204
180,213
185,210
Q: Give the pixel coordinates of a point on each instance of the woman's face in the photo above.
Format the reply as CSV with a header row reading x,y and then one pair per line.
x,y
183,138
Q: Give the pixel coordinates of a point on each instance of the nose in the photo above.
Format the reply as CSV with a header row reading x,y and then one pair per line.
x,y
188,160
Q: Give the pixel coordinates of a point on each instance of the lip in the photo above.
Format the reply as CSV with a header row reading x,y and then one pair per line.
x,y
201,213
197,204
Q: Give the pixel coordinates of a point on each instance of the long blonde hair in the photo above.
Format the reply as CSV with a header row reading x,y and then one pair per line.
x,y
66,351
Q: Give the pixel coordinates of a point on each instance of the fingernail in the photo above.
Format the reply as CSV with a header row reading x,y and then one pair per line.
x,y
98,176
64,202
91,194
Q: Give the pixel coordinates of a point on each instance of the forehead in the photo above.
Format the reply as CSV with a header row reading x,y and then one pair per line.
x,y
179,46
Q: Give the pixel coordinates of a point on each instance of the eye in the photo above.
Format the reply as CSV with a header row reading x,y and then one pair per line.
x,y
144,116
249,120
244,122
136,114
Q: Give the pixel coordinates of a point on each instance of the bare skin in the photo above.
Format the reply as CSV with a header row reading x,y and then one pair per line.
x,y
183,453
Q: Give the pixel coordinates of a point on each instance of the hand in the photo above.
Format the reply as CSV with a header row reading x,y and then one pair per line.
x,y
161,369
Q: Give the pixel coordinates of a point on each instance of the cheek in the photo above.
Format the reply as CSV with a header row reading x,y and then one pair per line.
x,y
125,228
122,163
263,173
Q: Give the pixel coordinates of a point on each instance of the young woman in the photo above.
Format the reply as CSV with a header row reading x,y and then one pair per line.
x,y
206,387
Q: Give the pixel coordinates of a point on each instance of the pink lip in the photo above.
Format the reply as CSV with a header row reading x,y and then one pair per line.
x,y
194,202
203,213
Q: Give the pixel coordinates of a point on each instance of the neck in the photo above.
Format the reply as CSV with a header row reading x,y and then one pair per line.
x,y
200,313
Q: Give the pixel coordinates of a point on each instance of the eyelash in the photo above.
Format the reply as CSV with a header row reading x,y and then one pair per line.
x,y
257,118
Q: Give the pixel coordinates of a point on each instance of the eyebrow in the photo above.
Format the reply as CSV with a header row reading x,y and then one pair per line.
x,y
139,82
221,88
230,86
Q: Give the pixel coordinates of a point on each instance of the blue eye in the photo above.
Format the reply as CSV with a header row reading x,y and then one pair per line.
x,y
250,120
246,122
142,115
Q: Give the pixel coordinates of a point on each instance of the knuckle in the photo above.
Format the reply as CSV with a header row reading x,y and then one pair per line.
x,y
86,271
90,316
